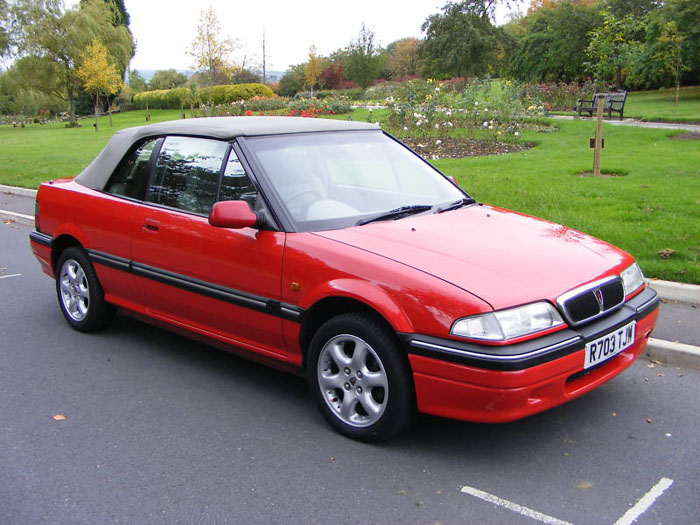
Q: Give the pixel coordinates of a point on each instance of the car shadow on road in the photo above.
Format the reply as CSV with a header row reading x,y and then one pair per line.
x,y
231,377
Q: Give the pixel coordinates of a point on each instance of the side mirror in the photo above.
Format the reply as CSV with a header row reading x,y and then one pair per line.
x,y
232,214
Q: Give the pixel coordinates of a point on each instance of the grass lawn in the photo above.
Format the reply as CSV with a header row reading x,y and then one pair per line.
x,y
654,204
37,153
657,106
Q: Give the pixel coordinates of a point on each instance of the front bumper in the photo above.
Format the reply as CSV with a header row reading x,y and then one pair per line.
x,y
483,383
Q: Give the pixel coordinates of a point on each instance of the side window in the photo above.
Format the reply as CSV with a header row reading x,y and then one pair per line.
x,y
187,174
236,185
131,176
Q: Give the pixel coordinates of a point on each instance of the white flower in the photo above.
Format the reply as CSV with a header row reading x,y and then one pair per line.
x,y
434,157
419,122
517,133
438,142
437,126
486,124
417,115
490,127
476,102
405,128
437,90
448,113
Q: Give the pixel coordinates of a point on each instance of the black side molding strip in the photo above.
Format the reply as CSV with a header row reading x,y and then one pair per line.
x,y
41,238
215,291
112,261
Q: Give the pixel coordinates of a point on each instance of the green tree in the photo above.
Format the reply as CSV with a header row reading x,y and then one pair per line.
x,y
136,81
5,29
461,40
669,53
312,69
551,42
364,60
292,81
211,50
98,76
245,76
167,79
614,47
686,15
52,42
636,8
403,58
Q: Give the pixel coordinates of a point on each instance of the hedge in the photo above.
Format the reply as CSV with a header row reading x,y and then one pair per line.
x,y
174,98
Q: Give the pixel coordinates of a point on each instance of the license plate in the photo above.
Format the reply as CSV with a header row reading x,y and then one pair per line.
x,y
609,345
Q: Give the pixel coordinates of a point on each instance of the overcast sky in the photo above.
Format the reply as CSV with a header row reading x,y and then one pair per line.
x,y
164,29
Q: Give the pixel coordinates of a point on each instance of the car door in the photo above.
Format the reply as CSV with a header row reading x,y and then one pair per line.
x,y
218,282
107,220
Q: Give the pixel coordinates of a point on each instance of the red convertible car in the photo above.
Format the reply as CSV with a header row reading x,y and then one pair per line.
x,y
330,249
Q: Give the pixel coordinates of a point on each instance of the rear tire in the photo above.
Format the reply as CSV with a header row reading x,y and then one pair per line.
x,y
79,292
360,378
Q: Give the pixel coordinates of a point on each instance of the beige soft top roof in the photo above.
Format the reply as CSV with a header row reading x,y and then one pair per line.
x,y
99,170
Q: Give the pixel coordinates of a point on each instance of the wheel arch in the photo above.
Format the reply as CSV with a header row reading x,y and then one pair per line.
x,y
61,244
324,308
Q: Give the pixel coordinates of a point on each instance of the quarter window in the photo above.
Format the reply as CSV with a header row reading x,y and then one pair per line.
x,y
236,185
131,176
187,174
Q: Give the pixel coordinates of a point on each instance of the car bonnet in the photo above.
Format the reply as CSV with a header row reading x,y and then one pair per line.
x,y
503,257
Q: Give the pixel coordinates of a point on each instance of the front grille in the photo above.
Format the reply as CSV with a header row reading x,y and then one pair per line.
x,y
592,300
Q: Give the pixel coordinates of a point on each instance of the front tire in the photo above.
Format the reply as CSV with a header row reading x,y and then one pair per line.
x,y
360,378
79,292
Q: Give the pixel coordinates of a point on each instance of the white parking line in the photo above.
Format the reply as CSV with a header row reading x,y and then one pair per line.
x,y
544,518
645,502
8,276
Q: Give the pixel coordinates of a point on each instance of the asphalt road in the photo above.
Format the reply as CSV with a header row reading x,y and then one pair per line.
x,y
160,429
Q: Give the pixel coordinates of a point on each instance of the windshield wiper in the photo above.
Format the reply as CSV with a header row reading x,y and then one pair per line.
x,y
396,213
456,204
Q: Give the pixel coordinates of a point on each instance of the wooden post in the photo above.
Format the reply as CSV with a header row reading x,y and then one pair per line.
x,y
598,138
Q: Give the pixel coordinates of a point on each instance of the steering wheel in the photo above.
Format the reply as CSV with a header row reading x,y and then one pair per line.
x,y
296,195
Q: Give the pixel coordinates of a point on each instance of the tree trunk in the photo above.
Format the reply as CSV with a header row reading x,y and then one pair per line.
x,y
71,110
97,107
618,78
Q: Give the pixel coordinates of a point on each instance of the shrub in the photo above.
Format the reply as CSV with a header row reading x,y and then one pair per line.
x,y
560,96
217,95
350,94
314,106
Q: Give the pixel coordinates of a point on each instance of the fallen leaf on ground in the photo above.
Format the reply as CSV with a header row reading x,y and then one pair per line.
x,y
59,417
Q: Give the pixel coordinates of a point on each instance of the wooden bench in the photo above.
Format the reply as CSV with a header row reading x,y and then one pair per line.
x,y
613,102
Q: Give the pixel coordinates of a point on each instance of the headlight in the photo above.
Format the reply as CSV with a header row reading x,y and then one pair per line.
x,y
508,324
632,278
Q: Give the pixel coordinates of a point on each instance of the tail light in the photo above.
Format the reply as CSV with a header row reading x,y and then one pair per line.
x,y
36,216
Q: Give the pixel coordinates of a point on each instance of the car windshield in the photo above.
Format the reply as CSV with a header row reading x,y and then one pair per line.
x,y
339,179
